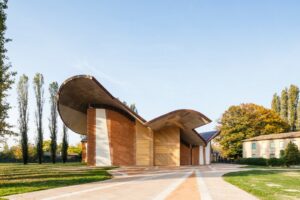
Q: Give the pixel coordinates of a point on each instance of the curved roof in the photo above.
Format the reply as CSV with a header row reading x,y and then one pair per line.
x,y
80,92
185,119
77,93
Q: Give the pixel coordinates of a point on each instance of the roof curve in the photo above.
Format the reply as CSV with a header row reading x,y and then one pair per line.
x,y
80,92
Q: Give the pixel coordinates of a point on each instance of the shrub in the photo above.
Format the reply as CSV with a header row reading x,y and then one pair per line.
x,y
291,154
253,161
275,162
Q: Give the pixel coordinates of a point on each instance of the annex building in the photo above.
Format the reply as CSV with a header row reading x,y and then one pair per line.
x,y
269,146
117,136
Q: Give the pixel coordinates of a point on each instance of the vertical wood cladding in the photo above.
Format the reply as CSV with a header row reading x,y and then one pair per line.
x,y
121,133
195,155
144,145
167,147
91,133
185,154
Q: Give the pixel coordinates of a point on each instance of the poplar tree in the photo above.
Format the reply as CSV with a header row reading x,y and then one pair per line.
x,y
284,104
276,103
6,76
53,89
22,90
298,116
38,83
65,144
292,106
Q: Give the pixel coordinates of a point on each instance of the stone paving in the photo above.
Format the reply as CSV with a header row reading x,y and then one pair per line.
x,y
155,183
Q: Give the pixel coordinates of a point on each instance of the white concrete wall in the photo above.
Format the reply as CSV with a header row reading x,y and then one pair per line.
x,y
102,141
201,155
208,154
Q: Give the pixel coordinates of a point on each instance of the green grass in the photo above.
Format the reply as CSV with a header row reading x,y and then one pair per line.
x,y
19,178
268,184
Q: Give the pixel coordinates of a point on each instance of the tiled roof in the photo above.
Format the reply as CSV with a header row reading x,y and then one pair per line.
x,y
275,136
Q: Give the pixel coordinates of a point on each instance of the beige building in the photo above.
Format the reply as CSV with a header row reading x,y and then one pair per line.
x,y
269,146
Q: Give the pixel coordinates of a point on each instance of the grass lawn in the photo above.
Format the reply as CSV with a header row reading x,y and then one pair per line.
x,y
19,178
268,184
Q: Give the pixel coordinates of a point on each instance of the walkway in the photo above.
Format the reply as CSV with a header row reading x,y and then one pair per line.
x,y
191,183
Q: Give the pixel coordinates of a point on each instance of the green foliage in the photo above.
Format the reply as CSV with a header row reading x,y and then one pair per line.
x,y
276,162
22,90
298,116
292,106
252,161
276,103
38,83
284,104
6,76
291,154
53,90
65,145
245,121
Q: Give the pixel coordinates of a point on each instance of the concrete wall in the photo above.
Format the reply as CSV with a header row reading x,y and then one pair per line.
x,y
263,147
167,147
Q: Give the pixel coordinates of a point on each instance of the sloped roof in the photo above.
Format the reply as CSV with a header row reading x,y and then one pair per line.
x,y
78,93
208,136
275,136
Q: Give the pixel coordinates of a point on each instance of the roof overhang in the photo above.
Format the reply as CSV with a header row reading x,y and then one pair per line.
x,y
77,94
186,120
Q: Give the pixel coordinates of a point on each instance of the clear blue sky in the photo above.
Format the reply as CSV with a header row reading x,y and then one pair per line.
x,y
161,55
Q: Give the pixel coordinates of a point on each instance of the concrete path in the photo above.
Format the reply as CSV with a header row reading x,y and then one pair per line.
x,y
203,183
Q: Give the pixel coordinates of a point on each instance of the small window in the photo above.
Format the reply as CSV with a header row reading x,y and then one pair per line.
x,y
281,145
272,146
253,146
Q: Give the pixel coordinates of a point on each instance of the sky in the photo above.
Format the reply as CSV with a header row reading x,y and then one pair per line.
x,y
160,55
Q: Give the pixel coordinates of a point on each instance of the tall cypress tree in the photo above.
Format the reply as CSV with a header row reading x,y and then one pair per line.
x,y
284,104
38,83
53,89
65,145
22,90
292,105
6,76
276,103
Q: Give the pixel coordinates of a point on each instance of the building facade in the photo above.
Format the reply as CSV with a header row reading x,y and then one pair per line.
x,y
269,146
117,136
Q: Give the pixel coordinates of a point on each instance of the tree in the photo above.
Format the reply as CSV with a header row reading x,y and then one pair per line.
x,y
22,90
6,76
291,154
53,89
133,108
245,121
284,104
298,116
65,145
292,106
38,83
276,103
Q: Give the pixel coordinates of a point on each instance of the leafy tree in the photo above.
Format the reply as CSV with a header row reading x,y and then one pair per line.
x,y
38,83
291,154
65,145
23,115
284,104
298,116
75,149
245,121
276,103
133,108
292,106
53,89
6,76
46,145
